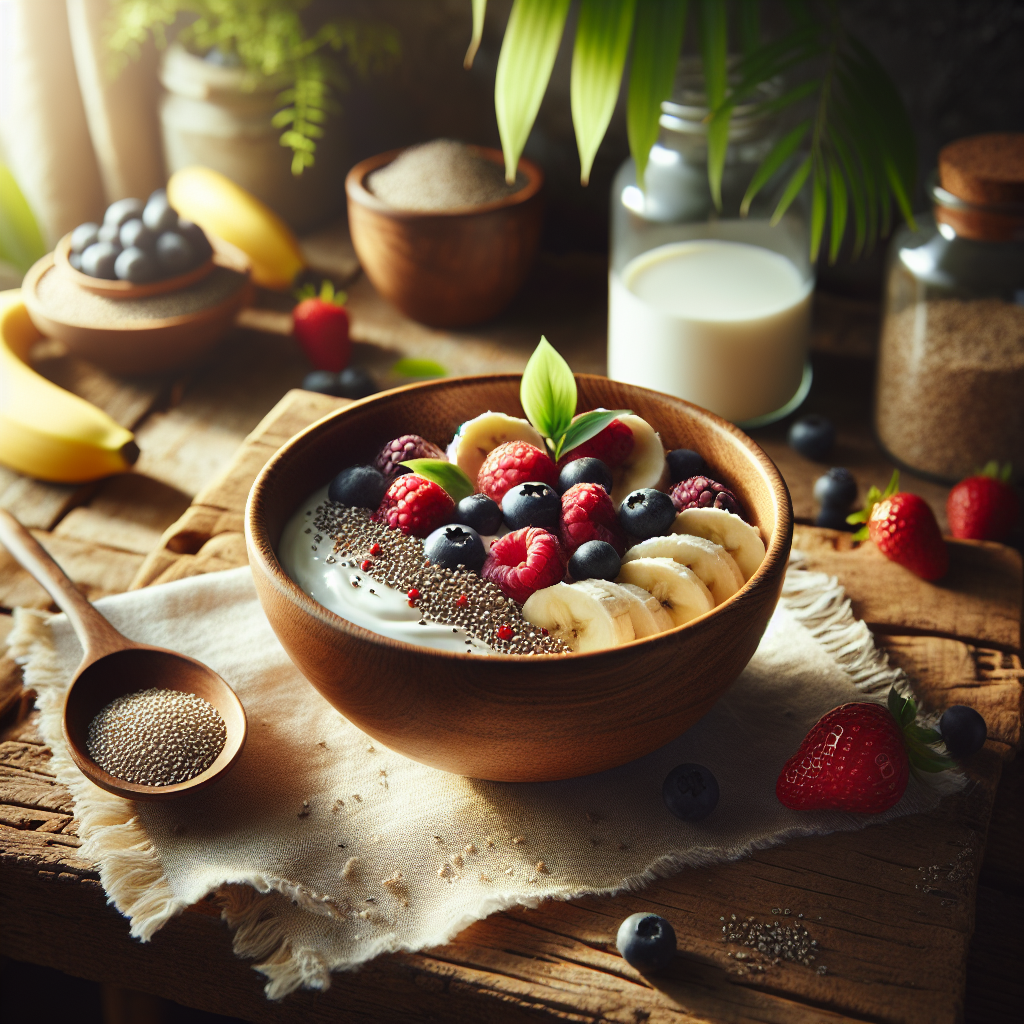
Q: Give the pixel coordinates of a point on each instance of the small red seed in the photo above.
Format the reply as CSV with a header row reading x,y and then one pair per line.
x,y
365,564
413,595
461,601
505,632
374,549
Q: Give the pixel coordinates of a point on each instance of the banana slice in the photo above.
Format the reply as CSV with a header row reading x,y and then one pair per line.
x,y
716,568
645,612
677,589
586,617
480,436
645,467
740,539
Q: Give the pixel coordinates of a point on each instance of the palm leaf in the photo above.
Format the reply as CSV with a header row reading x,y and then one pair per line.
x,y
598,59
479,12
750,25
714,45
858,201
527,56
21,242
657,40
837,190
792,190
819,201
780,153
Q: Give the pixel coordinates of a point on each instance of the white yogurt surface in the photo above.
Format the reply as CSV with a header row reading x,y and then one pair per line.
x,y
372,605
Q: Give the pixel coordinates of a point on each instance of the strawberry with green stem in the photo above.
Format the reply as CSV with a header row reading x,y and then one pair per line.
x,y
984,506
320,324
904,529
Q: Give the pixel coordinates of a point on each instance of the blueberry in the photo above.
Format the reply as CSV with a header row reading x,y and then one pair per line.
x,y
98,260
135,265
690,792
159,216
812,436
134,233
196,237
83,236
646,942
323,382
121,211
532,504
360,486
647,513
584,471
110,233
480,512
836,489
963,730
75,260
355,382
174,254
595,560
451,546
684,463
833,518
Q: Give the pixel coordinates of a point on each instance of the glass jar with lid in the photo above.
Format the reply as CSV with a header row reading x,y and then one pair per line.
x,y
949,395
704,303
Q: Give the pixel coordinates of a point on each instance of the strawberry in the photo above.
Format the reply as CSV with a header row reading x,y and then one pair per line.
x,y
588,514
415,505
858,758
320,325
612,446
524,562
904,529
512,463
983,507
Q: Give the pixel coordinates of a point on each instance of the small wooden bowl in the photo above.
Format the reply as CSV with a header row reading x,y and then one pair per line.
x,y
104,332
446,268
127,671
514,718
124,289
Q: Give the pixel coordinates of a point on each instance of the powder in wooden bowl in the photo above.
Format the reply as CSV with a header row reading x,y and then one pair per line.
x,y
156,737
440,175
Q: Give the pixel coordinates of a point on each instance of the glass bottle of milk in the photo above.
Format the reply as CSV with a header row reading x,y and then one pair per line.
x,y
704,304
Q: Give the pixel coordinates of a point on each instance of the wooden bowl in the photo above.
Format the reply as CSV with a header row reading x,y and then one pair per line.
x,y
124,289
127,671
134,334
515,718
446,268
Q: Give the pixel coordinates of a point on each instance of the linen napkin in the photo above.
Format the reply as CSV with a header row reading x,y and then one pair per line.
x,y
328,849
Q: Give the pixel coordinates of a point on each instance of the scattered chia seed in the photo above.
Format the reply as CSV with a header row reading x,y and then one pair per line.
x,y
774,942
156,737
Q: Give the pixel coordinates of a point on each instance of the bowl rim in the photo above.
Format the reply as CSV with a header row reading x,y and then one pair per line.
x,y
260,549
356,190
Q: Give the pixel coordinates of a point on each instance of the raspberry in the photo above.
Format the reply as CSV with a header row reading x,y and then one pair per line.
x,y
524,562
588,514
612,446
703,492
511,463
415,506
408,446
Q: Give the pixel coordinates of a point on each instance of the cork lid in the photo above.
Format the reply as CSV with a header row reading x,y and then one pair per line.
x,y
984,169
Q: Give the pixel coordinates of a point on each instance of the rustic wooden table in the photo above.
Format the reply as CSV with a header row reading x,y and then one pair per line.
x,y
895,950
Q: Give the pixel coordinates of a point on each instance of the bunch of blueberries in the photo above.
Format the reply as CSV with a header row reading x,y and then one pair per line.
x,y
139,242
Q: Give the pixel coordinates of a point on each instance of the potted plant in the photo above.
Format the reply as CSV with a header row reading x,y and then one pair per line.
x,y
251,91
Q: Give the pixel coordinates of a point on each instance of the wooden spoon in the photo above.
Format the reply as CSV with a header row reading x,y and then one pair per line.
x,y
113,666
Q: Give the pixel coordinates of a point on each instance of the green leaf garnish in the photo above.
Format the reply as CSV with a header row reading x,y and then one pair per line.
x,y
325,294
903,709
548,391
584,427
410,367
917,740
873,497
996,472
444,474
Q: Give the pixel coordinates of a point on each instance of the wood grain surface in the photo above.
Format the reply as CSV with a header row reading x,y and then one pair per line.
x,y
894,950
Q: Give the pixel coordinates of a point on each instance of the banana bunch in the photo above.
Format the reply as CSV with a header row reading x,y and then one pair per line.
x,y
226,210
663,582
45,431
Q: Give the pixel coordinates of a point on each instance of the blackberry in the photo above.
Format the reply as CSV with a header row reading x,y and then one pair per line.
x,y
703,492
402,449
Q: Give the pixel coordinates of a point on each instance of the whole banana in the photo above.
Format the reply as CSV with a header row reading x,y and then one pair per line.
x,y
45,431
228,211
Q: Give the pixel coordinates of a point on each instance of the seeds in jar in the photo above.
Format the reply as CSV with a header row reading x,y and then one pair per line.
x,y
156,737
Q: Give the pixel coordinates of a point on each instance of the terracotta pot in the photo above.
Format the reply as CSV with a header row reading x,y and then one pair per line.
x,y
446,268
515,718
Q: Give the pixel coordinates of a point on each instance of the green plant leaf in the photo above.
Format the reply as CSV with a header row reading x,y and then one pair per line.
x,y
714,48
548,391
527,56
444,474
779,154
657,40
603,33
750,25
903,709
479,13
586,426
922,735
792,190
926,760
409,367
21,241
837,188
